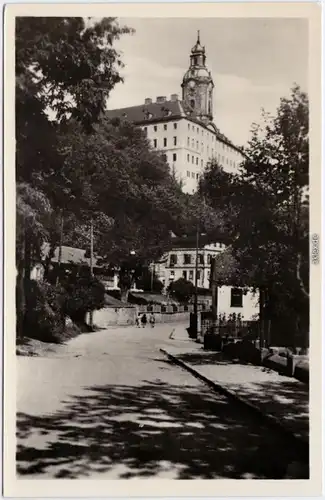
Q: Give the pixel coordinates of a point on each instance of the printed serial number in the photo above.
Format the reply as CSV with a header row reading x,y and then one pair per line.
x,y
315,249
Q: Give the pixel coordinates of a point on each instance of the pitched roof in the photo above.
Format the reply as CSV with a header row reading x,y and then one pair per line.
x,y
69,255
148,113
163,111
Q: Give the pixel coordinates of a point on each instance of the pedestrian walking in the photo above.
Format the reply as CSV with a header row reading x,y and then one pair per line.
x,y
152,320
144,320
137,320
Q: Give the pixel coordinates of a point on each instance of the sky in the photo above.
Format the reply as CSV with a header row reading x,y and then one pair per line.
x,y
254,62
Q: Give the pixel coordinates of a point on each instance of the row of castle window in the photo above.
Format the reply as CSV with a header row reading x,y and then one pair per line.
x,y
211,136
190,259
155,127
165,142
194,175
194,160
174,157
184,275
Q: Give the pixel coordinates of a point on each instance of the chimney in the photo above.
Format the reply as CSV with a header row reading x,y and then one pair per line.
x,y
174,97
161,99
148,100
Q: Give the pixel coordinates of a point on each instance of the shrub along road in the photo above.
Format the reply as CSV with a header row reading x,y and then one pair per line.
x,y
110,405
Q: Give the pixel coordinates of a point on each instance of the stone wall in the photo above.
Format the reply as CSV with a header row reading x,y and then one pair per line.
x,y
110,316
124,316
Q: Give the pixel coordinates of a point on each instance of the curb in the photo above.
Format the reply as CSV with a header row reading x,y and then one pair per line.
x,y
301,443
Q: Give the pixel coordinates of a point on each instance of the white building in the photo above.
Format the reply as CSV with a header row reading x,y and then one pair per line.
x,y
184,129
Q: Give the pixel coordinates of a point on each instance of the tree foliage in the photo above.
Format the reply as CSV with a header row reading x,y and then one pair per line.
x,y
267,208
182,290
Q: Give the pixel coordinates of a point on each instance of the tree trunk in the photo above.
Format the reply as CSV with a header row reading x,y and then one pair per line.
x,y
27,272
20,294
262,318
48,259
124,295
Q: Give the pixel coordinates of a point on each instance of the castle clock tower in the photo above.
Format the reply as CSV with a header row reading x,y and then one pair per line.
x,y
197,85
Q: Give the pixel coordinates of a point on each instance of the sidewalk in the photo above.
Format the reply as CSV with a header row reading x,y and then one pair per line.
x,y
284,400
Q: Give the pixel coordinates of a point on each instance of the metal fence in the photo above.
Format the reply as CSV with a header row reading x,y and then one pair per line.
x,y
232,326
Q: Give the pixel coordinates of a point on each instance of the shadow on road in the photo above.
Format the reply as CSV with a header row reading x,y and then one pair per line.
x,y
142,431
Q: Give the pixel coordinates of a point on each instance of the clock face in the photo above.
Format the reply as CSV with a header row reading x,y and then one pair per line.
x,y
191,84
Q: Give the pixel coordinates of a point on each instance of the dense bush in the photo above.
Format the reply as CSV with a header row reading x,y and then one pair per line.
x,y
182,290
44,319
83,294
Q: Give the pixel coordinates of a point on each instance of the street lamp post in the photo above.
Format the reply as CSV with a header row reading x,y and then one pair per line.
x,y
91,264
196,277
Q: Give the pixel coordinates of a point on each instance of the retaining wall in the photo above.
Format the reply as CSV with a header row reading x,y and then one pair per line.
x,y
123,316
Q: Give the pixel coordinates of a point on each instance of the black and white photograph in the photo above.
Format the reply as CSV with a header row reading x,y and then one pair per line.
x,y
163,246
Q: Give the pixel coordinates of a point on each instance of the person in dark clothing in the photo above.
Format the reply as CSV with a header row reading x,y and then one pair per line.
x,y
144,320
152,320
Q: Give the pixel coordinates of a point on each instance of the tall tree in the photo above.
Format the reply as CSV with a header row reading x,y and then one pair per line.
x,y
268,210
118,176
67,67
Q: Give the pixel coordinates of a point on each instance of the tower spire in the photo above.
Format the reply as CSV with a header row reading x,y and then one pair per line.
x,y
198,36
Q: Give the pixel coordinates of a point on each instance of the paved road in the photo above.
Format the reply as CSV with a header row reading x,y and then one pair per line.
x,y
110,406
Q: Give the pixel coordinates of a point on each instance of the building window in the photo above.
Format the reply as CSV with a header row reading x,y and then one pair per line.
x,y
172,275
236,299
155,143
197,130
173,259
209,258
191,275
165,126
145,130
201,163
188,174
188,158
175,141
197,161
185,275
197,176
174,156
187,258
188,126
175,125
188,141
193,128
201,259
198,275
193,143
193,175
155,128
165,142
193,159
197,144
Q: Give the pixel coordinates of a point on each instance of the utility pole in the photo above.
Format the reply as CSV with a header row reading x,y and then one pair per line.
x,y
196,279
152,275
214,289
60,248
91,263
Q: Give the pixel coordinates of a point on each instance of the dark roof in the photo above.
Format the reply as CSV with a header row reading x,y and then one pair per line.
x,y
69,255
163,111
151,298
149,113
